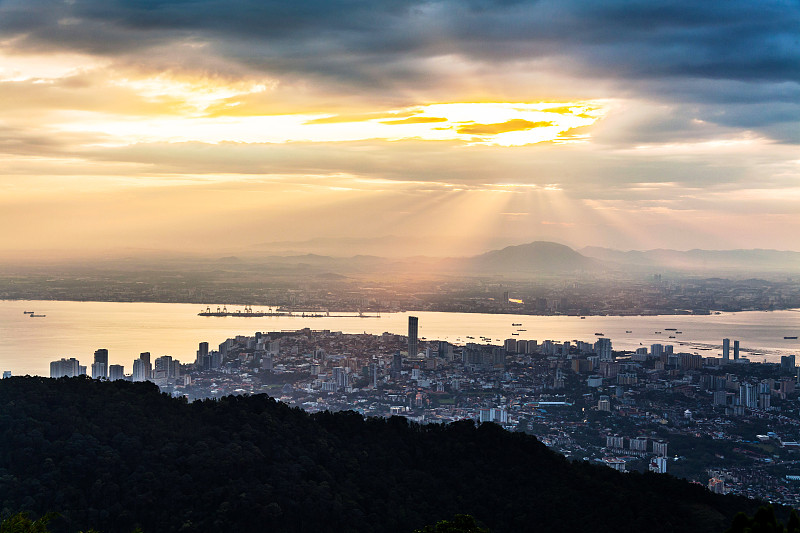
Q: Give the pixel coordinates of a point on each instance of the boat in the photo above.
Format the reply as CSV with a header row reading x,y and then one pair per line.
x,y
37,316
599,334
657,332
515,333
628,331
583,318
791,337
516,324
672,336
678,332
670,329
27,312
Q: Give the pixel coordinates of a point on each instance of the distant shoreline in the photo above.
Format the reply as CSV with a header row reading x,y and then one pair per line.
x,y
370,313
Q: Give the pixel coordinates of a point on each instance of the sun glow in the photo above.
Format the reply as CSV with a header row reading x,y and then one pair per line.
x,y
498,124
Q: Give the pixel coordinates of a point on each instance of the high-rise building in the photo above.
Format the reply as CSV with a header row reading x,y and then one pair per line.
x,y
100,356
339,375
397,364
726,350
660,448
99,370
140,372
413,331
603,348
735,350
65,368
165,367
788,363
656,350
202,362
116,372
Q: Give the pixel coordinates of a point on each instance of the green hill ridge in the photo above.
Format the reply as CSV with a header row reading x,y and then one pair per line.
x,y
115,455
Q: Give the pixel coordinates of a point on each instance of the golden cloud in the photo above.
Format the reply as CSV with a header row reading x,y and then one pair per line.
x,y
414,120
516,124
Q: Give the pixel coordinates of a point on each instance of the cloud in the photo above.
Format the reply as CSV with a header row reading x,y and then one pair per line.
x,y
359,117
414,120
516,124
392,50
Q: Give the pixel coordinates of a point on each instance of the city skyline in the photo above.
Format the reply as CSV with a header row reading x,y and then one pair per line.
x,y
456,126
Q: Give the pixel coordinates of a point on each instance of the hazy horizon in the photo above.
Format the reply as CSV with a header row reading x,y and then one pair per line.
x,y
455,127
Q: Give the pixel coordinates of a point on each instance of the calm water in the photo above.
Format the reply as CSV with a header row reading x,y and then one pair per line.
x,y
77,329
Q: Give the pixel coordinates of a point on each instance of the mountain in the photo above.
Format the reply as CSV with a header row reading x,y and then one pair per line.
x,y
538,256
700,260
116,455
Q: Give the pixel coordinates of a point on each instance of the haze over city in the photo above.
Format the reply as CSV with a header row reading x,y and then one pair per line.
x,y
445,127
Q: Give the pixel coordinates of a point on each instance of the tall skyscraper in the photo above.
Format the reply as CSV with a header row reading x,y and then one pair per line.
x,y
203,361
726,350
735,350
413,331
100,358
142,368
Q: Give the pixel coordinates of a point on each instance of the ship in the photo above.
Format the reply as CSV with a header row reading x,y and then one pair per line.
x,y
792,338
670,329
599,334
32,315
516,324
27,312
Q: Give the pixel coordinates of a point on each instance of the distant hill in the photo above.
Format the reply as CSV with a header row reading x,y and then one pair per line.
x,y
700,260
115,455
538,256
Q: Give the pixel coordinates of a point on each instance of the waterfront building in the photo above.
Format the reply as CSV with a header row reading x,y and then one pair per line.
x,y
602,347
656,351
735,350
726,351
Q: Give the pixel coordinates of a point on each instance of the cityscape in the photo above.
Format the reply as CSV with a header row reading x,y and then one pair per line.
x,y
725,421
418,266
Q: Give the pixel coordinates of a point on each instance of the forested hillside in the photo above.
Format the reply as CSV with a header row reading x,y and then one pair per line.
x,y
114,455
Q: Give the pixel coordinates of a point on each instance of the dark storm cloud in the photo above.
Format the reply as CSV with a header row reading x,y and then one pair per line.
x,y
741,39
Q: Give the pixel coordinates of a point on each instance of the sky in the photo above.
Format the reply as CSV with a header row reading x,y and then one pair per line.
x,y
437,127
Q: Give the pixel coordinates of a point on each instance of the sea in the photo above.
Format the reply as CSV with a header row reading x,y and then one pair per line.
x,y
76,329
